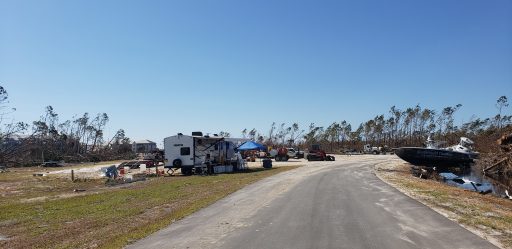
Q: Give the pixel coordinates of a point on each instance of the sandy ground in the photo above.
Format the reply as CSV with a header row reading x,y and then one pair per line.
x,y
98,171
95,171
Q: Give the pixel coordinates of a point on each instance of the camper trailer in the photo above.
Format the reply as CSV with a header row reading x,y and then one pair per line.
x,y
194,154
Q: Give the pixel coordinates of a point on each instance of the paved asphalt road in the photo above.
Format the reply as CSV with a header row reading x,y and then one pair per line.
x,y
338,204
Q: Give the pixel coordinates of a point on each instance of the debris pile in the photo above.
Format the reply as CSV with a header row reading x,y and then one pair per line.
x,y
505,143
500,164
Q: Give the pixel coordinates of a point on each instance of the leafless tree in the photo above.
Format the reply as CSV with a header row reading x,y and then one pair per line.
x,y
500,104
10,146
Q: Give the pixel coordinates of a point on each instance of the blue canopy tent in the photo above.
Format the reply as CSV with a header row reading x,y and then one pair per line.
x,y
251,145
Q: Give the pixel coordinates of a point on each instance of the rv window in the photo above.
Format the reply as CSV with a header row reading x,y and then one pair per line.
x,y
185,151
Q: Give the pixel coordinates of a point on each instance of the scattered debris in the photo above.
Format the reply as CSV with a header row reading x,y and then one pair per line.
x,y
38,174
498,166
421,172
508,196
505,143
78,190
111,172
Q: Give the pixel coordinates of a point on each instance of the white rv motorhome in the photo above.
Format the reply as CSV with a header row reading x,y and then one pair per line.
x,y
192,153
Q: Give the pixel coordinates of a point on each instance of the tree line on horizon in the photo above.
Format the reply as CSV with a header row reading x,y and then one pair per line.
x,y
400,127
47,139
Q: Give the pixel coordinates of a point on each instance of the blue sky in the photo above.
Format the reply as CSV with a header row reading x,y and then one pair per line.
x,y
162,67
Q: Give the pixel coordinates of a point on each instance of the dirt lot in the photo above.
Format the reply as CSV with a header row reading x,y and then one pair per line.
x,y
486,215
50,210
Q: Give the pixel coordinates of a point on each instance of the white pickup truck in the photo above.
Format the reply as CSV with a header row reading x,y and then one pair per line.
x,y
292,153
368,149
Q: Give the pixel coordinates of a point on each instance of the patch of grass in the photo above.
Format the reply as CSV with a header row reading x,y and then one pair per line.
x,y
487,214
116,216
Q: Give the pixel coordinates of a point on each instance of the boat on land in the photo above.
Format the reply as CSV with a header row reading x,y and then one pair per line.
x,y
459,155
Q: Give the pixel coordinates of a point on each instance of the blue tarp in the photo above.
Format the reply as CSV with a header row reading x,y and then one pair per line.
x,y
251,145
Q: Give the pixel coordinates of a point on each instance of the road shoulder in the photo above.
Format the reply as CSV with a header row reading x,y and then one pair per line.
x,y
487,216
